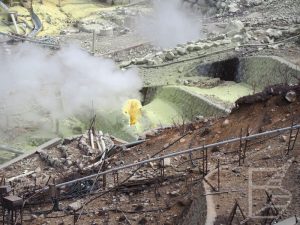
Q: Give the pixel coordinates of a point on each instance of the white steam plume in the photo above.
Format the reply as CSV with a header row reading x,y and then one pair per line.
x,y
36,82
169,24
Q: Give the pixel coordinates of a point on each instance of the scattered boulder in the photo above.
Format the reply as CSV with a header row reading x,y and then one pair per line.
x,y
233,8
166,145
38,170
181,50
273,33
237,38
234,27
74,206
186,82
139,61
225,123
283,138
291,96
33,216
236,170
191,47
169,55
174,193
268,40
125,64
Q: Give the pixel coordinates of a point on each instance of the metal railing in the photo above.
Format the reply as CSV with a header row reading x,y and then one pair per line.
x,y
182,152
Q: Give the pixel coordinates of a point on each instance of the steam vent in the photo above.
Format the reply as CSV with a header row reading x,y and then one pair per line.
x,y
150,112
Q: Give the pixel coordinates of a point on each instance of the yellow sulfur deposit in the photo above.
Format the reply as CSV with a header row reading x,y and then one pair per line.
x,y
133,108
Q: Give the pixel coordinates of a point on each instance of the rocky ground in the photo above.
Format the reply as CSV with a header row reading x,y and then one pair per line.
x,y
143,195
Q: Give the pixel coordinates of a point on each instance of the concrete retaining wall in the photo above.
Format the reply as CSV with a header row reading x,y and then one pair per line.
x,y
149,93
263,71
257,71
190,104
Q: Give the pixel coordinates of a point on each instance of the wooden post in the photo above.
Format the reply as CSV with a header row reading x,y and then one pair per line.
x,y
203,163
162,172
246,144
295,139
92,139
234,212
93,43
240,149
104,175
75,217
116,178
218,174
291,143
206,161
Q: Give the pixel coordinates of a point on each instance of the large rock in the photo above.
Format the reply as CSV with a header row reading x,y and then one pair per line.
x,y
125,64
75,206
274,33
98,28
225,123
181,50
139,61
191,47
234,27
233,8
268,40
169,55
237,38
291,96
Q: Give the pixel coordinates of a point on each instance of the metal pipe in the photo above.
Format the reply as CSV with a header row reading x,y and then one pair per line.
x,y
250,137
15,22
3,6
37,24
131,144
